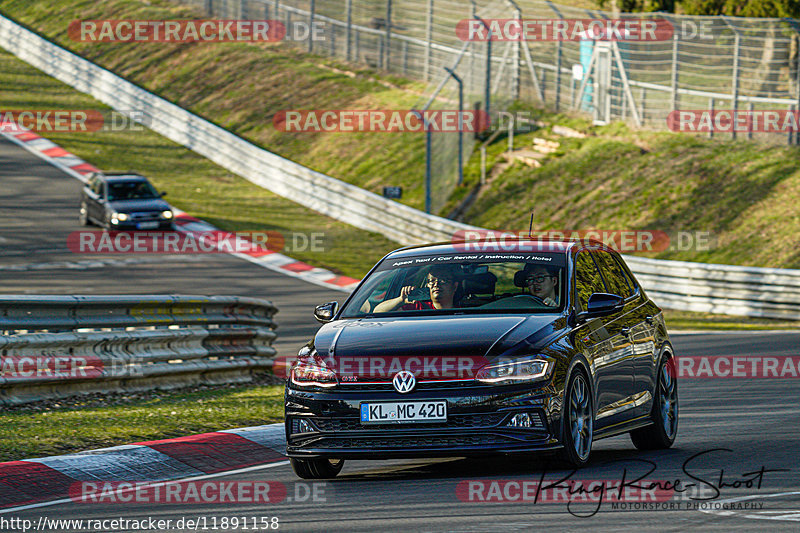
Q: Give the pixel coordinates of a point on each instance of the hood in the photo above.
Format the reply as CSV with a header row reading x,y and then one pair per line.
x,y
133,206
446,347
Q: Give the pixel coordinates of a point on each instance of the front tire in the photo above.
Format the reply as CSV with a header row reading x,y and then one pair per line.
x,y
661,434
317,468
577,421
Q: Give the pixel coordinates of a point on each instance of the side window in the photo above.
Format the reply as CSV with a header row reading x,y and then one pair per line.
x,y
613,274
587,279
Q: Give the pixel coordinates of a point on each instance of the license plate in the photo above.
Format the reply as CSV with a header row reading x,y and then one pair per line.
x,y
147,225
390,412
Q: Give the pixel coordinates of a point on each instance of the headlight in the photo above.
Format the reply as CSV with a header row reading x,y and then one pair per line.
x,y
308,375
166,214
122,217
525,370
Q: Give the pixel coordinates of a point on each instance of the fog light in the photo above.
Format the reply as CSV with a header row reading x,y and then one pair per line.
x,y
522,420
301,425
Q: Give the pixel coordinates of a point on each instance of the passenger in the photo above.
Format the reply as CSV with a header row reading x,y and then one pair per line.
x,y
442,282
542,282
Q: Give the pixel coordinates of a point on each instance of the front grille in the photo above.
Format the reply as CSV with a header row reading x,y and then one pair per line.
x,y
438,441
487,420
145,216
421,385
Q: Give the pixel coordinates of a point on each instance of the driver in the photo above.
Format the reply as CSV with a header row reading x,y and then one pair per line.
x,y
442,282
542,282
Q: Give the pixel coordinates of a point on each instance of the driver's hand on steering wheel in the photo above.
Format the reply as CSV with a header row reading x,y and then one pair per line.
x,y
549,301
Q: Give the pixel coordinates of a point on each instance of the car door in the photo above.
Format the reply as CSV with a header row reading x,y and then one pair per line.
x,y
95,198
603,344
633,330
643,336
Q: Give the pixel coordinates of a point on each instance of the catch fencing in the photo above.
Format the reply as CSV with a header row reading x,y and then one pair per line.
x,y
711,64
746,291
55,346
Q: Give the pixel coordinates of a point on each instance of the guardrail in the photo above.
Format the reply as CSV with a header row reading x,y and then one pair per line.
x,y
55,346
286,178
674,285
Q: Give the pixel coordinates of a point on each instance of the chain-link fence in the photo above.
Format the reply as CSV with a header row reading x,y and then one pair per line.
x,y
707,63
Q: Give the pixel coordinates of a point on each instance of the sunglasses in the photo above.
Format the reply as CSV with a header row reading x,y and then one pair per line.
x,y
537,279
440,281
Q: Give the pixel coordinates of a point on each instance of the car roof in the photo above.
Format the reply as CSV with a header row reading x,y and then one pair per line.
x,y
488,245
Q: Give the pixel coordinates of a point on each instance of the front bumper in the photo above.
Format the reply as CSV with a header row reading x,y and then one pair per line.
x,y
326,423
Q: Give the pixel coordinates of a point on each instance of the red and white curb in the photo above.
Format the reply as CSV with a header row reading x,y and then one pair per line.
x,y
80,169
38,482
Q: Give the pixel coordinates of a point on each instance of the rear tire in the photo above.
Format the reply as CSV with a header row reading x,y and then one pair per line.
x,y
577,421
317,468
661,434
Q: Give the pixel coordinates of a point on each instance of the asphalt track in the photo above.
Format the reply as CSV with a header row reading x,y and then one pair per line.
x,y
756,419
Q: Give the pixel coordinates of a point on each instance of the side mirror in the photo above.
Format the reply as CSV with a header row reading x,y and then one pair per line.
x,y
162,193
602,304
324,313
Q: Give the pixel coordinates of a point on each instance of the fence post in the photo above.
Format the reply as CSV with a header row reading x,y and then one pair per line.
x,y
311,26
460,124
278,13
749,120
797,137
735,103
242,10
790,135
558,74
333,39
674,105
711,108
642,96
349,9
358,45
429,35
405,57
388,47
517,57
209,7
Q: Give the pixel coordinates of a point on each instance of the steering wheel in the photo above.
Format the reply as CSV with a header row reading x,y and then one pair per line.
x,y
535,299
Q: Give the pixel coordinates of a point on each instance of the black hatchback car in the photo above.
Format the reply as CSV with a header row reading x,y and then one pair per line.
x,y
464,349
124,202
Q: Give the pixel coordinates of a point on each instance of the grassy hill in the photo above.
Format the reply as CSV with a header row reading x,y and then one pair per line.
x,y
744,193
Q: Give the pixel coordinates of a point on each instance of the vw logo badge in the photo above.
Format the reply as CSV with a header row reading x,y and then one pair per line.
x,y
404,381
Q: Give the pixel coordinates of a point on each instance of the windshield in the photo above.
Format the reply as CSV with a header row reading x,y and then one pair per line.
x,y
444,284
131,190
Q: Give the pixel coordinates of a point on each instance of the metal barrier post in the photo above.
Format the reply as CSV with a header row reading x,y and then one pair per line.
x,y
460,124
429,44
735,103
388,47
311,26
349,9
674,104
711,109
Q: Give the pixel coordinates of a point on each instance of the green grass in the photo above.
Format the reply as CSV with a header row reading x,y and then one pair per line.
x,y
75,425
194,183
685,320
